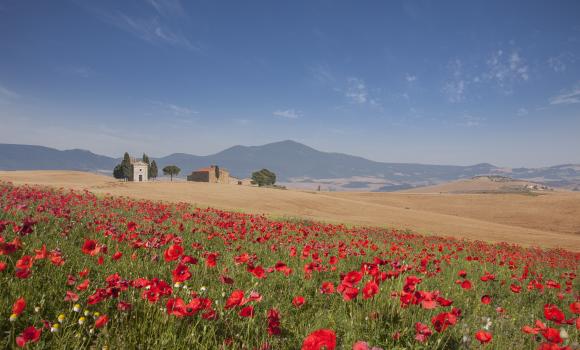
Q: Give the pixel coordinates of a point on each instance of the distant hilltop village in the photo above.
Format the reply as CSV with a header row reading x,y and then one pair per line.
x,y
144,170
525,185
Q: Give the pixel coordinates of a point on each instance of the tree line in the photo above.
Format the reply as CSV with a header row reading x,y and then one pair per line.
x,y
124,171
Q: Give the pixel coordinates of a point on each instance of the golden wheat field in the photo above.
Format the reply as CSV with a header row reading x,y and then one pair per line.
x,y
549,220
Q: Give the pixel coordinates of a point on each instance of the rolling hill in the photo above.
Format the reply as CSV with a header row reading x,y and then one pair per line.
x,y
294,163
29,157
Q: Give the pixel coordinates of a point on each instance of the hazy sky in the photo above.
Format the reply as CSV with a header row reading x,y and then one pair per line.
x,y
445,82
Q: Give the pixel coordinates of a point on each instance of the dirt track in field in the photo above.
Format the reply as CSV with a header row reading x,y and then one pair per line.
x,y
550,220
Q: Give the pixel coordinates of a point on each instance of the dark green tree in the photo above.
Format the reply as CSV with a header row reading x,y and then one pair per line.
x,y
153,170
263,177
217,172
171,170
118,172
127,167
145,159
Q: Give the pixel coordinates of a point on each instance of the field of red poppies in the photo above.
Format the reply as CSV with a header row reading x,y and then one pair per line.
x,y
80,271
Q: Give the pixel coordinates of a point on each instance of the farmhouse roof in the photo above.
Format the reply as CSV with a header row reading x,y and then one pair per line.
x,y
203,170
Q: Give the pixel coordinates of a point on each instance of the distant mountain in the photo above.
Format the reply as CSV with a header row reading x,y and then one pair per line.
x,y
294,163
293,160
27,157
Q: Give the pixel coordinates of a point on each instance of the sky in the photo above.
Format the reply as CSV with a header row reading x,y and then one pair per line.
x,y
438,82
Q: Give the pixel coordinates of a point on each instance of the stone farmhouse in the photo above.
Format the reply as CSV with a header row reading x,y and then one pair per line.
x,y
140,169
212,174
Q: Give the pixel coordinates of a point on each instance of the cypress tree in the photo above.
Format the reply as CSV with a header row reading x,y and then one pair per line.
x,y
118,172
127,167
153,170
146,160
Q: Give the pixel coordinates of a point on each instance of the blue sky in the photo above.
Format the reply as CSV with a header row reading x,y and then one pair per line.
x,y
443,82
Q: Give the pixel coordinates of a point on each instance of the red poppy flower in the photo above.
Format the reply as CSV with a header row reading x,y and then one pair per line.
x,y
7,248
552,335
422,332
117,256
211,259
428,304
553,313
247,311
41,254
83,285
487,277
124,306
181,273
23,273
71,296
173,252
466,285
226,280
483,336
327,288
71,280
515,288
257,271
24,263
273,317
541,325
370,289
101,321
361,345
190,260
235,299
444,302
177,307
575,307
352,278
530,330
56,259
131,226
90,247
443,320
19,306
209,315
322,339
298,301
486,299
348,293
30,334
254,296
27,227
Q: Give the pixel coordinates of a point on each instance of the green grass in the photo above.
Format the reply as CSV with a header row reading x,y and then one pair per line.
x,y
65,220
